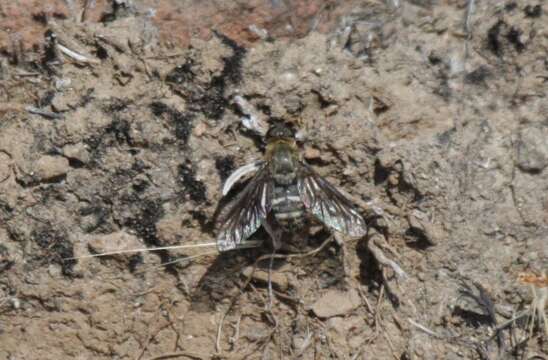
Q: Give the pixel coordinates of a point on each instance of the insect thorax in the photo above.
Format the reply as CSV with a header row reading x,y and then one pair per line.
x,y
284,163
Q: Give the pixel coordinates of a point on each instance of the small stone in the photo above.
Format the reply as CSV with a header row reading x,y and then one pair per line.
x,y
78,152
394,178
200,129
5,166
62,83
311,153
533,149
387,159
15,303
419,224
338,325
50,167
114,242
54,270
169,230
65,101
331,109
279,280
336,303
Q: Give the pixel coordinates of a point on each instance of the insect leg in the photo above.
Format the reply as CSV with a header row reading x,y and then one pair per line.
x,y
276,235
274,232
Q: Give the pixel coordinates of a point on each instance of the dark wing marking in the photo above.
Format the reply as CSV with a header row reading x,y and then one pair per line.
x,y
328,205
245,214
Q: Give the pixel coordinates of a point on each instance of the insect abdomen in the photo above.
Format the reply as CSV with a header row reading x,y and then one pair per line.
x,y
287,207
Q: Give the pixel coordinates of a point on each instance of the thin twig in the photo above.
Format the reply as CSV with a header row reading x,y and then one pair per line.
x,y
364,298
83,14
151,336
234,339
180,354
424,329
390,344
76,56
270,295
44,113
129,251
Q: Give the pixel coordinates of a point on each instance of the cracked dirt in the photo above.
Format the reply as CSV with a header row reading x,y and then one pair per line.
x,y
434,122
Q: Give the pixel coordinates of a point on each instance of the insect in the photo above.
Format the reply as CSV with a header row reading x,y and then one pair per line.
x,y
285,194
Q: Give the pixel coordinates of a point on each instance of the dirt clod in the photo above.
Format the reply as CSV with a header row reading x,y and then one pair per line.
x,y
49,168
336,303
533,148
279,280
100,244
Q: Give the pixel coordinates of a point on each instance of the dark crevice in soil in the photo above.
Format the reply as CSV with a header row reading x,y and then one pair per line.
x,y
381,173
46,99
86,98
513,37
511,6
478,76
101,52
194,188
56,248
206,225
5,262
120,129
181,121
419,239
533,11
181,74
225,166
472,318
370,273
143,221
209,98
30,181
232,70
43,18
493,41
75,163
119,9
101,214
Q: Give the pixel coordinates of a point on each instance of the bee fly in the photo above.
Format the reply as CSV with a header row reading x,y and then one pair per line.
x,y
283,196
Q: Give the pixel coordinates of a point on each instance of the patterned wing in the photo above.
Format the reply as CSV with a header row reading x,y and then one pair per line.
x,y
245,214
328,205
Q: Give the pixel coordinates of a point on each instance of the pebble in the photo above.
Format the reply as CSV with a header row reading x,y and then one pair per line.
x,y
5,166
312,153
279,280
336,303
49,167
115,241
200,129
77,151
533,149
15,303
419,223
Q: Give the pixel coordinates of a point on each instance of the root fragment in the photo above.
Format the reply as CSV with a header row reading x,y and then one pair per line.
x,y
382,259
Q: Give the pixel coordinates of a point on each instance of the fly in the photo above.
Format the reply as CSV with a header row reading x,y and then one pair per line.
x,y
283,196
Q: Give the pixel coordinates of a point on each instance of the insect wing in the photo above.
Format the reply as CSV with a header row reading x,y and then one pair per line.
x,y
245,214
328,205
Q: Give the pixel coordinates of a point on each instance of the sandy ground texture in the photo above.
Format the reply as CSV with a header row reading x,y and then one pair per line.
x,y
431,115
